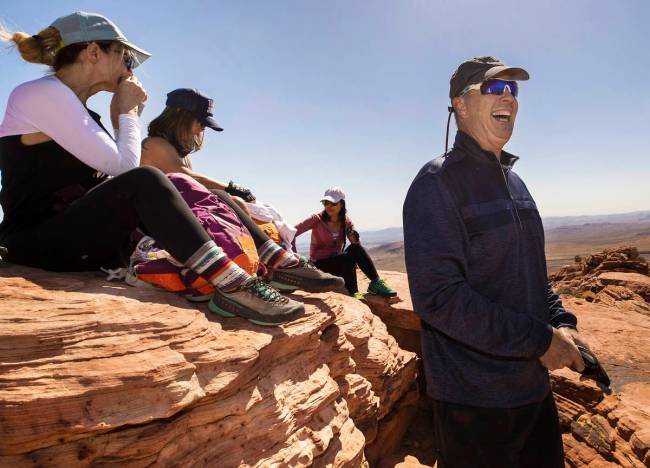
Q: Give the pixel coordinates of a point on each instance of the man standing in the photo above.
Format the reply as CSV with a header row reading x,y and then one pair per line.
x,y
491,326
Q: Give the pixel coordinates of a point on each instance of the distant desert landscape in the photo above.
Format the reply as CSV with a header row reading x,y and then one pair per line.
x,y
565,239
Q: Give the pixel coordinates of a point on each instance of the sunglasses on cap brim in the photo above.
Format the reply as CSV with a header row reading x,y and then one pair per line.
x,y
497,87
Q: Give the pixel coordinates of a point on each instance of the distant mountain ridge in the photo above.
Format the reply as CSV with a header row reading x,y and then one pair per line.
x,y
393,234
632,217
566,236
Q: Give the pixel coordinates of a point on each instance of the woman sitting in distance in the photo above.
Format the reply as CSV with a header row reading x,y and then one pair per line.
x,y
330,229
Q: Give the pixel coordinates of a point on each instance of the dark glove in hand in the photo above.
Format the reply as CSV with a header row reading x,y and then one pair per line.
x,y
593,369
238,191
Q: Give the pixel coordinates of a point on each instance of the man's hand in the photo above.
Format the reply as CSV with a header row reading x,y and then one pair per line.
x,y
563,351
573,335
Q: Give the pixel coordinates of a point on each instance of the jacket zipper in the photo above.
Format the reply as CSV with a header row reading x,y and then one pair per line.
x,y
515,213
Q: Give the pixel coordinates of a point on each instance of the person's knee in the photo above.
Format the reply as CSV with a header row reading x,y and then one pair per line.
x,y
145,177
147,174
152,182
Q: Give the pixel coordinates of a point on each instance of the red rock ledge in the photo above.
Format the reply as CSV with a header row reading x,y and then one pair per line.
x,y
101,373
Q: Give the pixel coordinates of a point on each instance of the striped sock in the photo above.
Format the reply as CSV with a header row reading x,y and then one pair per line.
x,y
274,256
211,262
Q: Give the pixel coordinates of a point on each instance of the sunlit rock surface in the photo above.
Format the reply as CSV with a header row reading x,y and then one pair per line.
x,y
102,373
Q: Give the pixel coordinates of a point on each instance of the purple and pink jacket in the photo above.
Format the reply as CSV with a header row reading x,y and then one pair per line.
x,y
324,242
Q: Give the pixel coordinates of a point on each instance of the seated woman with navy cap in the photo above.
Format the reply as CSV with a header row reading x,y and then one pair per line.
x,y
62,212
330,229
177,132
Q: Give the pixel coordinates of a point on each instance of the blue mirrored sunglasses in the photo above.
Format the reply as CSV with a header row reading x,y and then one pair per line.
x,y
497,87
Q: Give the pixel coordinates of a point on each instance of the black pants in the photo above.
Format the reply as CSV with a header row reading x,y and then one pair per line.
x,y
345,265
258,235
524,437
96,229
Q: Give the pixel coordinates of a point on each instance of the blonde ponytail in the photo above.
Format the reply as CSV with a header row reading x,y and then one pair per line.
x,y
39,48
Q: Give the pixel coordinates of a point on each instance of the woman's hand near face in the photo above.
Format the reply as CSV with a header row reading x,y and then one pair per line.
x,y
129,98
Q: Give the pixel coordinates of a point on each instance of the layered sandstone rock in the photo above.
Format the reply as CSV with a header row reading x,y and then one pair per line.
x,y
615,277
603,429
102,373
610,294
397,313
606,292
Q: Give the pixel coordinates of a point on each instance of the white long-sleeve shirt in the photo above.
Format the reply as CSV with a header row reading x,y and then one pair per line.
x,y
47,105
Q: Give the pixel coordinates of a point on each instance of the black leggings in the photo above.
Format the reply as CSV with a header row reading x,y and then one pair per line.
x,y
258,235
345,265
96,229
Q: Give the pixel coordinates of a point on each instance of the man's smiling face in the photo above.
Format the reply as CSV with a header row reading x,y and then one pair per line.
x,y
488,118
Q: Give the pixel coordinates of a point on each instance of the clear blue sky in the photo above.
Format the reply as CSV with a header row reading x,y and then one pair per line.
x,y
354,93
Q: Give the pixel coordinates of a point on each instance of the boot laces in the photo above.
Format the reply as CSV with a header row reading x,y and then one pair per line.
x,y
264,291
306,263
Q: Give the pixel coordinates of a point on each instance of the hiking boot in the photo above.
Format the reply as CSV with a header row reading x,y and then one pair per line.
x,y
380,288
305,276
257,302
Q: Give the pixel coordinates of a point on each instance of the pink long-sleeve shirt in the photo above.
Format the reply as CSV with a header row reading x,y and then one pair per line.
x,y
324,242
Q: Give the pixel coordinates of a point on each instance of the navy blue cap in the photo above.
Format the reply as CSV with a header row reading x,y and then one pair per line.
x,y
199,105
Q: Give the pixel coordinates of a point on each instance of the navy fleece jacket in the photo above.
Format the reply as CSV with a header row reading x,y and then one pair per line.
x,y
474,247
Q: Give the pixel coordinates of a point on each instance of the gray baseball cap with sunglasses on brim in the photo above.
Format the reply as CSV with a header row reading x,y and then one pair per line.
x,y
88,27
479,69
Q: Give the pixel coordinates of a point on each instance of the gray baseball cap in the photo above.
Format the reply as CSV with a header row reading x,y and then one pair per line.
x,y
479,69
87,27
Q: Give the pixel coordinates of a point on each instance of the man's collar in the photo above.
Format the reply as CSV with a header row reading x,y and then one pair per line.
x,y
469,144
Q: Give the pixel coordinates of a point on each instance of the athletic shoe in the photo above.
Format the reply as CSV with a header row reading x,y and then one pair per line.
x,y
257,302
380,288
305,276
359,295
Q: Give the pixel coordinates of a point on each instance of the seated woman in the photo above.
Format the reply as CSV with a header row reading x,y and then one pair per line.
x,y
177,132
329,230
61,210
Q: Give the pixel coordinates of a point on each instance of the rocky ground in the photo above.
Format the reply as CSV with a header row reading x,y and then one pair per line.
x,y
614,277
96,373
608,292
